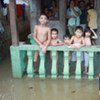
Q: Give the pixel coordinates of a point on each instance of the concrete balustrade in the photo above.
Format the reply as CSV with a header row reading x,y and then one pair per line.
x,y
22,60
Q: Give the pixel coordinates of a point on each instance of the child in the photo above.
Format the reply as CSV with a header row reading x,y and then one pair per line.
x,y
67,43
88,41
55,41
77,41
66,40
42,35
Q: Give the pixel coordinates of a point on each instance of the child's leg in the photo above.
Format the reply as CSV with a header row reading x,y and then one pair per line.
x,y
36,54
70,57
73,56
86,62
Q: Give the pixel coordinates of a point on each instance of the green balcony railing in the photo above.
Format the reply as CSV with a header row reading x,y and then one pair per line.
x,y
22,60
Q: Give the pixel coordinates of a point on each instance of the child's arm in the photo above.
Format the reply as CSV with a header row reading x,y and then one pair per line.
x,y
83,43
46,42
71,40
35,36
49,38
95,35
59,42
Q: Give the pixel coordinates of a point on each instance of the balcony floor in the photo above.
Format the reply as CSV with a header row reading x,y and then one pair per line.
x,y
44,89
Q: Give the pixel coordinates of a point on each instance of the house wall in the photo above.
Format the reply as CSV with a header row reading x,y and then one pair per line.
x,y
33,13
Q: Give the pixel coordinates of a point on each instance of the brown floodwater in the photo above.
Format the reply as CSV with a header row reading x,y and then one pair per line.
x,y
44,89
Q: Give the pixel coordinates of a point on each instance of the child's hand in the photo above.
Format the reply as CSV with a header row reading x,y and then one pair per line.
x,y
44,49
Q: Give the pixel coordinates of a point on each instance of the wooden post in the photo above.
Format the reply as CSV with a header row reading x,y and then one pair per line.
x,y
13,24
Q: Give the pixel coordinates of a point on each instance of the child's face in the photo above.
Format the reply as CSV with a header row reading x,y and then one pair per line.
x,y
87,34
54,35
78,33
43,19
66,39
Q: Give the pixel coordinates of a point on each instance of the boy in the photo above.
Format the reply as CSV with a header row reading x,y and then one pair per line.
x,y
55,41
42,35
77,41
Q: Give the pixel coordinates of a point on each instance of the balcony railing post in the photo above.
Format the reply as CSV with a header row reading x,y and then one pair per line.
x,y
30,70
66,65
54,64
91,66
78,65
42,65
17,63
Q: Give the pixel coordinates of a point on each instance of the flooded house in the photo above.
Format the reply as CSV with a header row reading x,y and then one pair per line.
x,y
17,78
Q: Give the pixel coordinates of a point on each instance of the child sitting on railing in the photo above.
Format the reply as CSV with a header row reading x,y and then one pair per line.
x,y
88,41
42,36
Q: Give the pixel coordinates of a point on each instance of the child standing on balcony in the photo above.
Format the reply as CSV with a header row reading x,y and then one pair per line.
x,y
42,35
77,41
55,41
89,36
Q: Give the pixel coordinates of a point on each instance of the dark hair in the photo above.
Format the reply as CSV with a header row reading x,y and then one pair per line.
x,y
79,27
65,36
54,29
71,1
87,29
44,15
89,6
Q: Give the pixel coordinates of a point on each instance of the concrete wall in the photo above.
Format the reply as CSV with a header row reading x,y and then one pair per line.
x,y
33,13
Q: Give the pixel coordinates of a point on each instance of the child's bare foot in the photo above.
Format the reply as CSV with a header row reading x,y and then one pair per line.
x,y
85,72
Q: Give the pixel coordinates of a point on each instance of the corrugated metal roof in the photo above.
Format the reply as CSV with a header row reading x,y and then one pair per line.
x,y
18,1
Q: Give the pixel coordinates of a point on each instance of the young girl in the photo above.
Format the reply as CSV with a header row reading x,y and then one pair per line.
x,y
88,41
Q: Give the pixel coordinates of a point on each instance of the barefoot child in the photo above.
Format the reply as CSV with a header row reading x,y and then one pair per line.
x,y
55,41
88,41
41,35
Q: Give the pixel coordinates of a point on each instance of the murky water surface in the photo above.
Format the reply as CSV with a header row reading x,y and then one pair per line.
x,y
45,89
